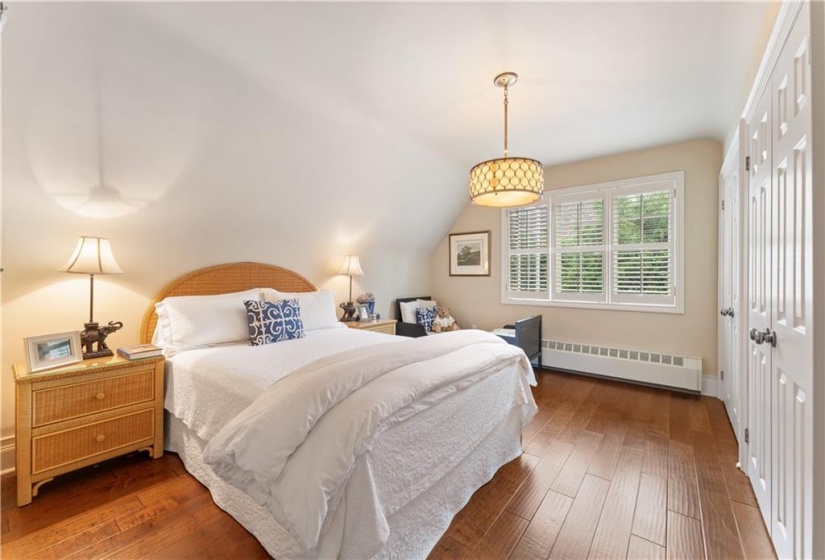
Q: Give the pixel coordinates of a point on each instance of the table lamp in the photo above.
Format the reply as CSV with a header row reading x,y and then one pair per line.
x,y
93,255
351,267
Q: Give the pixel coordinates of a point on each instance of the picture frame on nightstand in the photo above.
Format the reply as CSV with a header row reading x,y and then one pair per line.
x,y
363,312
53,350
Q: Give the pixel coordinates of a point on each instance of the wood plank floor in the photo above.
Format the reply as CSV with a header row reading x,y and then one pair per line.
x,y
609,471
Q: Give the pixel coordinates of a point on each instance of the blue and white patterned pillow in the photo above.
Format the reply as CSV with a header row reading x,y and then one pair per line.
x,y
273,321
424,316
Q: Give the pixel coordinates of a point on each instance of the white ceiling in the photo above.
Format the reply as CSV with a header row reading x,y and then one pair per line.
x,y
174,113
595,78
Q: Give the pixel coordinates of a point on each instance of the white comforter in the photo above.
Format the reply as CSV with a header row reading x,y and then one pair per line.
x,y
302,448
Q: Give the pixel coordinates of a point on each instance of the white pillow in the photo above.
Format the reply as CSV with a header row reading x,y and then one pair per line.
x,y
187,322
408,308
317,308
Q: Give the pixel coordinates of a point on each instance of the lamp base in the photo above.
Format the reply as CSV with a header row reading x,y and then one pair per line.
x,y
93,335
350,313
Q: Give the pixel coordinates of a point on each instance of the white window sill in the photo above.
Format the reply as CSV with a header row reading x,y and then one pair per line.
x,y
674,310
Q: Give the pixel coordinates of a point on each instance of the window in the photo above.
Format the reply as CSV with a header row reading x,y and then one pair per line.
x,y
528,255
614,245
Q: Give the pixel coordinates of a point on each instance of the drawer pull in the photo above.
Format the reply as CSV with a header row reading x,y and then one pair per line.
x,y
100,396
100,438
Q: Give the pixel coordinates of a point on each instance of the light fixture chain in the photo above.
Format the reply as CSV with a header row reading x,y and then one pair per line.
x,y
506,102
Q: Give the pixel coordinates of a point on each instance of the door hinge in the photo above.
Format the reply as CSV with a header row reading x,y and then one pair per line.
x,y
723,204
747,163
809,49
722,375
747,435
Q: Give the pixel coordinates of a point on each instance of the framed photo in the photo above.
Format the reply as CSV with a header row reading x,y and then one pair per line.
x,y
363,311
53,350
470,254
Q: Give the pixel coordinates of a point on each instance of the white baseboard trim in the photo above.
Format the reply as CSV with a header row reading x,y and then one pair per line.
x,y
710,386
7,454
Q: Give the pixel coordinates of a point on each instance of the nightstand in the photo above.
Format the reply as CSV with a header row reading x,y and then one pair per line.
x,y
386,326
85,413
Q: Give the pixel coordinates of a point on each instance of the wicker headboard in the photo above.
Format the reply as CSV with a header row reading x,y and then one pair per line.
x,y
222,279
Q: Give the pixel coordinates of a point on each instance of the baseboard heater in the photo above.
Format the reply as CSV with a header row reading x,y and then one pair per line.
x,y
652,368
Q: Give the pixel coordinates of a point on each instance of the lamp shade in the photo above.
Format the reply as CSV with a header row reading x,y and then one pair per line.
x,y
507,182
351,266
93,255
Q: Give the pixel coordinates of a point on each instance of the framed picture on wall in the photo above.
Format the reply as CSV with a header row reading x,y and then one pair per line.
x,y
53,350
470,254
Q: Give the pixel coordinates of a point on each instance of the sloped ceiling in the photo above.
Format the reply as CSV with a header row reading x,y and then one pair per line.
x,y
362,119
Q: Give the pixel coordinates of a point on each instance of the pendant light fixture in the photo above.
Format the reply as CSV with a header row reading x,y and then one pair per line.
x,y
507,181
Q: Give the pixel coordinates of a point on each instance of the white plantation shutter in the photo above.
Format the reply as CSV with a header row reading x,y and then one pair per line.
x,y
578,249
527,252
642,247
616,245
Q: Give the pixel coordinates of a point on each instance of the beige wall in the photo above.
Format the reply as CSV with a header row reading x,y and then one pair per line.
x,y
476,301
203,165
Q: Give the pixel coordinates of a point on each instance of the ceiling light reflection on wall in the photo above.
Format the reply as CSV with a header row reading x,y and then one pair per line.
x,y
507,181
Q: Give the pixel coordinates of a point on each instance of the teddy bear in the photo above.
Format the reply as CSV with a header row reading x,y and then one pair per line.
x,y
443,321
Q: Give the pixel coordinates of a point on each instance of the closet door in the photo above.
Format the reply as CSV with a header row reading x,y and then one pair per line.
x,y
792,293
759,290
734,376
729,286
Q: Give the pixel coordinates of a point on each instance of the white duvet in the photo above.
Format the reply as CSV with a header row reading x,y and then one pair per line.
x,y
302,448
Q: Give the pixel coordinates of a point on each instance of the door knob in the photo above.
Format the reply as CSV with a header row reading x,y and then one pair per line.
x,y
757,336
769,336
723,311
730,312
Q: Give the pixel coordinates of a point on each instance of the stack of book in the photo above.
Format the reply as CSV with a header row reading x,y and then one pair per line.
x,y
140,351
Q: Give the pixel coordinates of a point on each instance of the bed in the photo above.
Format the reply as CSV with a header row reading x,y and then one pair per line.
x,y
396,491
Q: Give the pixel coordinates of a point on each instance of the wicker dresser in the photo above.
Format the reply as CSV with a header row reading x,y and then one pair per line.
x,y
387,327
82,414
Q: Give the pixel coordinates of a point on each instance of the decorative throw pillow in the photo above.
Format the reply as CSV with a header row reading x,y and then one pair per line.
x,y
424,316
408,308
273,321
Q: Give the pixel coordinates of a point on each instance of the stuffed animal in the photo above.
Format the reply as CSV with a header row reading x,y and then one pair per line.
x,y
443,321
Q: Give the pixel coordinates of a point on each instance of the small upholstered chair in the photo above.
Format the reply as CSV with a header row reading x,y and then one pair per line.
x,y
413,330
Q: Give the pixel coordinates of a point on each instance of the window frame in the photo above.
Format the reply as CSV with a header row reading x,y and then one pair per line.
x,y
673,181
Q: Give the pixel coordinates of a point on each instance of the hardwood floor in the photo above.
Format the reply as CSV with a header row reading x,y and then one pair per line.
x,y
609,471
612,470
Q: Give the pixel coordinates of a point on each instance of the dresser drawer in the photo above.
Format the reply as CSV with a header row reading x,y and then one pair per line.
x,y
386,329
80,399
61,448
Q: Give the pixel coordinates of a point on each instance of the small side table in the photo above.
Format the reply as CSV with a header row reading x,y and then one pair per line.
x,y
386,326
85,413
